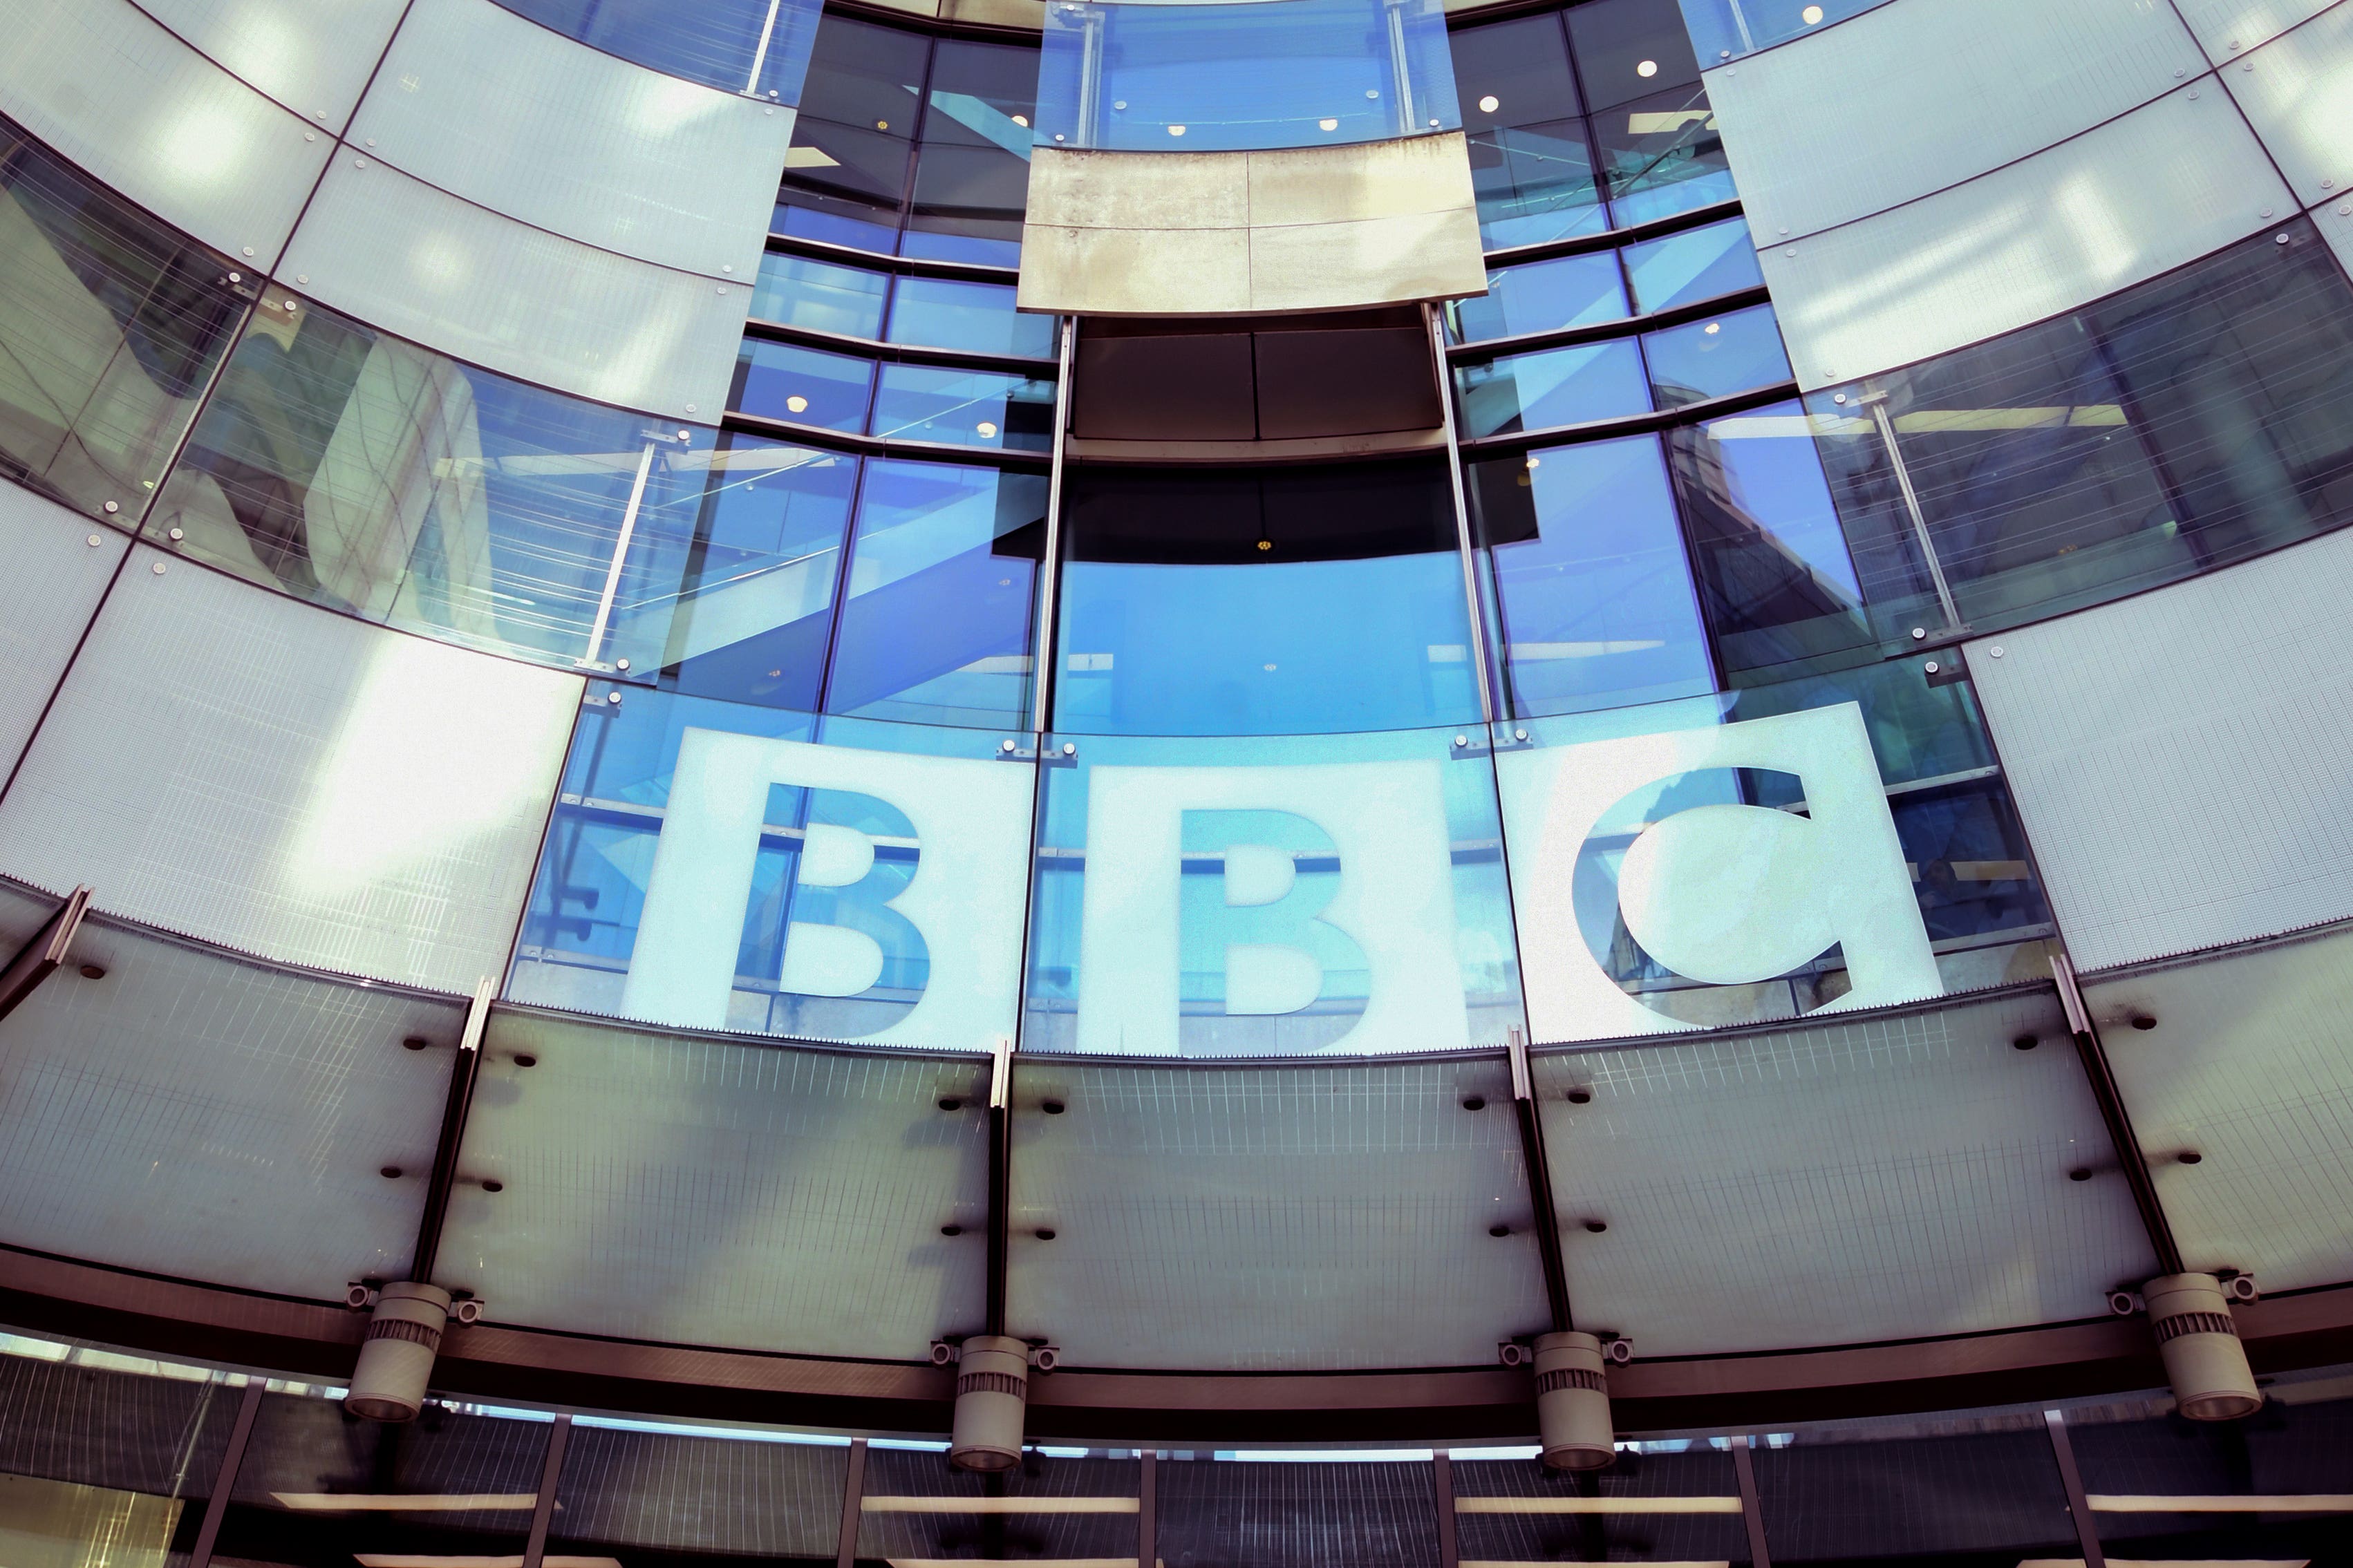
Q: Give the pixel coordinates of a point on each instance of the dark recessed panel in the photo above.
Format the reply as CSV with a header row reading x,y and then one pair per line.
x,y
1348,382
1192,386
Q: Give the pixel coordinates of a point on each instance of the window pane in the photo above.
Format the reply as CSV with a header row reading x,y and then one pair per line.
x,y
1212,77
798,292
1662,155
1289,601
1535,182
969,407
1774,580
1716,357
1628,49
1567,291
1594,594
1697,264
1726,29
1522,66
717,43
847,170
755,604
937,629
972,177
785,381
361,472
2181,426
943,314
1555,386
108,327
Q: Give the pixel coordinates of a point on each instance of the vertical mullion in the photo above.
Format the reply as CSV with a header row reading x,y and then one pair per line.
x,y
232,1460
853,1499
1744,1468
543,1508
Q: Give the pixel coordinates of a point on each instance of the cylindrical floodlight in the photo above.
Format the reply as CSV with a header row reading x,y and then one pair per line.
x,y
403,1335
992,1392
1573,1403
2203,1356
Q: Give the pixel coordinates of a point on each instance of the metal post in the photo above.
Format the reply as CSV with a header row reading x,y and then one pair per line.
x,y
2087,1533
39,958
760,54
543,1508
1400,70
1531,1154
225,1481
2111,1102
853,1505
620,553
1747,41
1477,624
454,1110
1147,1511
1001,1179
1049,565
1745,1470
1877,401
1441,1488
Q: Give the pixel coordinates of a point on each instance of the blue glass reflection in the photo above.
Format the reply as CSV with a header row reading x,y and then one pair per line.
x,y
1553,387
936,627
807,386
1701,263
947,313
1544,295
759,47
820,296
1727,29
1716,357
1593,591
1662,155
966,407
1163,77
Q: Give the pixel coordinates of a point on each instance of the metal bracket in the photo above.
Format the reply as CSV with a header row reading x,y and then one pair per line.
x,y
40,958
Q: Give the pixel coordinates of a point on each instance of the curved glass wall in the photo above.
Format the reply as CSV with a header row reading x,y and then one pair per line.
x,y
755,46
1727,29
910,144
1161,75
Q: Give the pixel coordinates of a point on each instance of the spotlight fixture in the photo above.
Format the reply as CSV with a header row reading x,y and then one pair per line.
x,y
1489,105
1647,69
797,404
1810,14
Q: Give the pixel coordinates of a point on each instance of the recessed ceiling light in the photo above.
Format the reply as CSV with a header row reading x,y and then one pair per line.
x,y
1535,462
1327,125
1489,105
881,125
1712,328
1175,131
1811,13
1648,68
797,404
986,427
1022,121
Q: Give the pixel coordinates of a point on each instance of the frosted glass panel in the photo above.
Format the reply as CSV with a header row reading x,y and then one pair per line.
x,y
1873,1179
51,575
1950,88
502,112
1245,1218
249,770
2243,1066
313,56
2228,27
2183,760
144,113
403,256
195,1114
2143,193
2297,93
728,1195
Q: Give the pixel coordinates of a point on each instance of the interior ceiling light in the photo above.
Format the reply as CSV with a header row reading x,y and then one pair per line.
x,y
1713,327
1811,14
1175,131
797,404
986,427
1327,125
1489,105
885,125
1648,68
1022,121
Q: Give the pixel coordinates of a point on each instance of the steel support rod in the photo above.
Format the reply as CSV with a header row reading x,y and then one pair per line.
x,y
454,1108
853,1505
216,1506
543,1508
1743,1469
620,555
1548,1218
40,958
1877,401
2087,1531
1147,1510
2111,1101
1001,1179
1476,626
1050,564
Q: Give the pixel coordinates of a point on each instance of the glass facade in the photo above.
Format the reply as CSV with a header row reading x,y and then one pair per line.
x,y
760,48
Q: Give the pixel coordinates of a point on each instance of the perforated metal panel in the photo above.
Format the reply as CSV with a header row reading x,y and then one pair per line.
x,y
101,82
2297,93
710,1192
1875,1179
414,260
505,112
313,56
2183,761
1911,97
53,567
2244,1070
2165,184
250,770
1270,1218
194,1114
